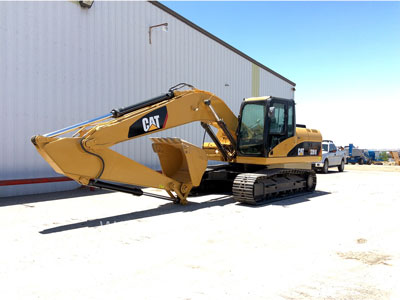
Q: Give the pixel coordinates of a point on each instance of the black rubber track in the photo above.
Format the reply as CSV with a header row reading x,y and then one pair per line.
x,y
272,185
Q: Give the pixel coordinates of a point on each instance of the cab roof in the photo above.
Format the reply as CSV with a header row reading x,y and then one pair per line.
x,y
258,98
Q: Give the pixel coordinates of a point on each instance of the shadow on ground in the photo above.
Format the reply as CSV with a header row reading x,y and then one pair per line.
x,y
331,171
171,208
291,200
29,199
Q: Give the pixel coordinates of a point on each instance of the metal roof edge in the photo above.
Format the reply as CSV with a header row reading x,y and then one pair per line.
x,y
218,40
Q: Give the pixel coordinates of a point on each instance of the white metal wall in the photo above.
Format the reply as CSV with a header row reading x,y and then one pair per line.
x,y
61,64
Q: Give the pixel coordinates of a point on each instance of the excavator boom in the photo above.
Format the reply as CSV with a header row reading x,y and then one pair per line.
x,y
87,158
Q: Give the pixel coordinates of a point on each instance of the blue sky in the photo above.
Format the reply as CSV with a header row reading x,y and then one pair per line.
x,y
343,56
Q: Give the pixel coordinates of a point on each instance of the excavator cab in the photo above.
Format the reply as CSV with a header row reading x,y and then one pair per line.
x,y
264,122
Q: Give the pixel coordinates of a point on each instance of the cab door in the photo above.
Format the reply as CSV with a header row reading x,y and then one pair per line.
x,y
281,122
251,130
334,159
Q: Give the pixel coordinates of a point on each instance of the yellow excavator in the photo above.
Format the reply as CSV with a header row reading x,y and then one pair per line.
x,y
263,154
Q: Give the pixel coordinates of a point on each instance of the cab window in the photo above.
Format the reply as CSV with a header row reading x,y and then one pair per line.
x,y
251,134
281,123
277,125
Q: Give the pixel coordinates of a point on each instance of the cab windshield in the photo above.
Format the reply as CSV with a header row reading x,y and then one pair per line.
x,y
251,135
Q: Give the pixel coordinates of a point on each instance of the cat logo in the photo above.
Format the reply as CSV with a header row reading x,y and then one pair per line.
x,y
300,151
151,123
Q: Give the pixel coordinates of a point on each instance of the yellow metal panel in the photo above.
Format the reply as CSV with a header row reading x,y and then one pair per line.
x,y
255,80
302,135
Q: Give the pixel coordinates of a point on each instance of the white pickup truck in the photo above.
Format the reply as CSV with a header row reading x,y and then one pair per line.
x,y
331,157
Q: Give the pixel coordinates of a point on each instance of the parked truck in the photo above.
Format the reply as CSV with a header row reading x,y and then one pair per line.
x,y
359,156
331,157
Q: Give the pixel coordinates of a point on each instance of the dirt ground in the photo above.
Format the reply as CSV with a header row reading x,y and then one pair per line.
x,y
341,242
378,168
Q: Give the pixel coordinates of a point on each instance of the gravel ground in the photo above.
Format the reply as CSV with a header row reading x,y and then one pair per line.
x,y
342,242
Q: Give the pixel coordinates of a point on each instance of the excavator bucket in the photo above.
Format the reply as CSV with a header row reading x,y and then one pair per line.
x,y
180,160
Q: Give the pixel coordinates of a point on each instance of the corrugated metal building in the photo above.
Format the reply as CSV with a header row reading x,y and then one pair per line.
x,y
62,64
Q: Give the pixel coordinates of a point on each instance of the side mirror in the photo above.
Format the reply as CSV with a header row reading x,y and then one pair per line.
x,y
271,112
